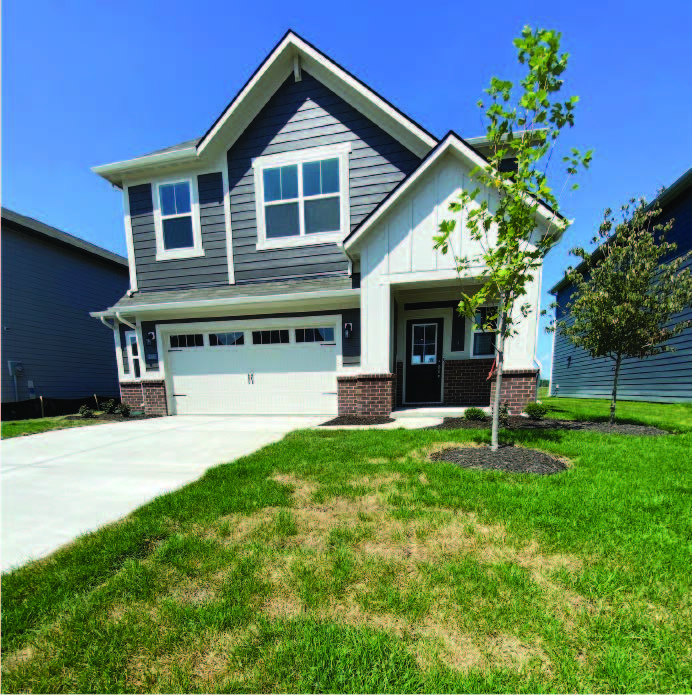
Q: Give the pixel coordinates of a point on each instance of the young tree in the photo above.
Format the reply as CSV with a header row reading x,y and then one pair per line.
x,y
625,299
524,123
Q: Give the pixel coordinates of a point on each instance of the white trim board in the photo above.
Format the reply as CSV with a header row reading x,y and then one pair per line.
x,y
258,90
453,144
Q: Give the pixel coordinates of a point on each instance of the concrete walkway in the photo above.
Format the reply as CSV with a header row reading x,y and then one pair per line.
x,y
58,485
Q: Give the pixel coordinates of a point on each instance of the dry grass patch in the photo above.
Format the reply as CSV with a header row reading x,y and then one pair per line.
x,y
16,659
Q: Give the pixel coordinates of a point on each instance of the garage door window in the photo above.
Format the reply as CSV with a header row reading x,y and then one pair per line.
x,y
233,338
269,337
314,335
189,340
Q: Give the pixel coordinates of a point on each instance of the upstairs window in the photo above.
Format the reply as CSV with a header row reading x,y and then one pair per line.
x,y
302,197
176,215
484,340
176,218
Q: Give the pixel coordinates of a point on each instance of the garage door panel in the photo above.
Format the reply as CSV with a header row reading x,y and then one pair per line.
x,y
254,379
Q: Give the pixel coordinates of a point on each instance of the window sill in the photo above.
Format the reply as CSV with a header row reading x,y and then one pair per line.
x,y
177,254
303,240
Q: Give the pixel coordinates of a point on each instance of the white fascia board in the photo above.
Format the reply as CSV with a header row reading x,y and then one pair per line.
x,y
270,300
280,64
451,144
257,92
117,171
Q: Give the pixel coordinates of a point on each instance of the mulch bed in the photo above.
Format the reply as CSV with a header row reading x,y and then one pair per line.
x,y
523,423
512,459
105,417
357,420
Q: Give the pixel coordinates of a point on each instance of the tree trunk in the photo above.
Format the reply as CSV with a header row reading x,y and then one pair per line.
x,y
614,398
499,347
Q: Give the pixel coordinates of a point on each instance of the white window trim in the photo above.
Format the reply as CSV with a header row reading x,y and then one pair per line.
x,y
474,330
194,251
340,151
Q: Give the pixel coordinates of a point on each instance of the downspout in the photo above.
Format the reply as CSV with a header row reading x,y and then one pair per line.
x,y
105,323
122,320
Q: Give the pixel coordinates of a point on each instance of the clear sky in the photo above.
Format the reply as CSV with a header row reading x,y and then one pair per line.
x,y
91,82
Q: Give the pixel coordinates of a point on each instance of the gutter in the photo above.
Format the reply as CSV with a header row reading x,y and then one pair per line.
x,y
115,170
112,312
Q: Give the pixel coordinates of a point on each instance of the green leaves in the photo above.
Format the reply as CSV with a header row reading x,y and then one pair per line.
x,y
626,301
523,121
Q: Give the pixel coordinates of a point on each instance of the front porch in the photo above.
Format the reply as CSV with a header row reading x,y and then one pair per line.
x,y
422,355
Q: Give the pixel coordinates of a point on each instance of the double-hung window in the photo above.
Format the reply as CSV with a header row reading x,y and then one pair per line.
x,y
177,220
302,197
484,331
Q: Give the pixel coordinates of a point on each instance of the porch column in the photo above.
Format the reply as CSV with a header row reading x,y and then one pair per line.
x,y
376,322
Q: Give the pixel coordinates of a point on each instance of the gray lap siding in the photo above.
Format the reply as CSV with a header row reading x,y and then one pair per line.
x,y
301,115
210,269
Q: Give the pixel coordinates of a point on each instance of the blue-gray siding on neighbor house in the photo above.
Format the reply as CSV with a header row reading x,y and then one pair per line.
x,y
48,290
210,269
666,377
301,115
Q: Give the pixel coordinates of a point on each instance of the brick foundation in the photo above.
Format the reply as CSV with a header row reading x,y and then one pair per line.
x,y
519,387
149,396
466,382
367,394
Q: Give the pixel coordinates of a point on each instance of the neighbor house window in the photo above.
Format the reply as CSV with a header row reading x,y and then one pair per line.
x,y
177,220
314,335
302,197
269,337
188,340
484,340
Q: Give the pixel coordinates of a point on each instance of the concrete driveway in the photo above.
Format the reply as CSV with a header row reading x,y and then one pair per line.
x,y
59,485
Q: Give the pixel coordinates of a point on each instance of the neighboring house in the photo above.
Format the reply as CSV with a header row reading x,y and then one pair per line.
x,y
284,262
665,378
50,282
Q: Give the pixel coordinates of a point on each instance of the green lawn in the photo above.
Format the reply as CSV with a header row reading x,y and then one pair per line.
x,y
18,428
346,561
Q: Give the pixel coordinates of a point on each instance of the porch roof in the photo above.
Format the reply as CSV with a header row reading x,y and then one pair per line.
x,y
251,293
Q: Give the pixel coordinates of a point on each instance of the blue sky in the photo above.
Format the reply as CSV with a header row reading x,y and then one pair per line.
x,y
86,83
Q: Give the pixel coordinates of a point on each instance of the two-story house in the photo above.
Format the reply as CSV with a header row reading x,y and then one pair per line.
x,y
284,261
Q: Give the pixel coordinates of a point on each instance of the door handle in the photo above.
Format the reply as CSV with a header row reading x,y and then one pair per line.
x,y
250,378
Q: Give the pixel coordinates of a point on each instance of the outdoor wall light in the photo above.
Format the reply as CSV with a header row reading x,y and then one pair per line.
x,y
348,330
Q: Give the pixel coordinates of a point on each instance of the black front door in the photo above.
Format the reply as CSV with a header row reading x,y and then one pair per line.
x,y
424,361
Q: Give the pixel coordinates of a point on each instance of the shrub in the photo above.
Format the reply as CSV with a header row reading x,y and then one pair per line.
x,y
109,407
504,415
536,411
123,409
85,411
474,414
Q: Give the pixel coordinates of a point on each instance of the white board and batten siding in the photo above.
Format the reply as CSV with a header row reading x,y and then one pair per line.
x,y
399,251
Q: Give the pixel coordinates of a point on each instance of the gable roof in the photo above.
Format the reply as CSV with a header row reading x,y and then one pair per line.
x,y
452,142
290,55
35,226
677,188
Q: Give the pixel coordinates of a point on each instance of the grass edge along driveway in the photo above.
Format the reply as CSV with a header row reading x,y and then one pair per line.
x,y
346,561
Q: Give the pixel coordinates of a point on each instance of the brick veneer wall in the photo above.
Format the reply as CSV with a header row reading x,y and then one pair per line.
x,y
147,395
519,387
367,394
466,382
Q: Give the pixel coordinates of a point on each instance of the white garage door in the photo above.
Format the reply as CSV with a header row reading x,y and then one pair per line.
x,y
257,372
